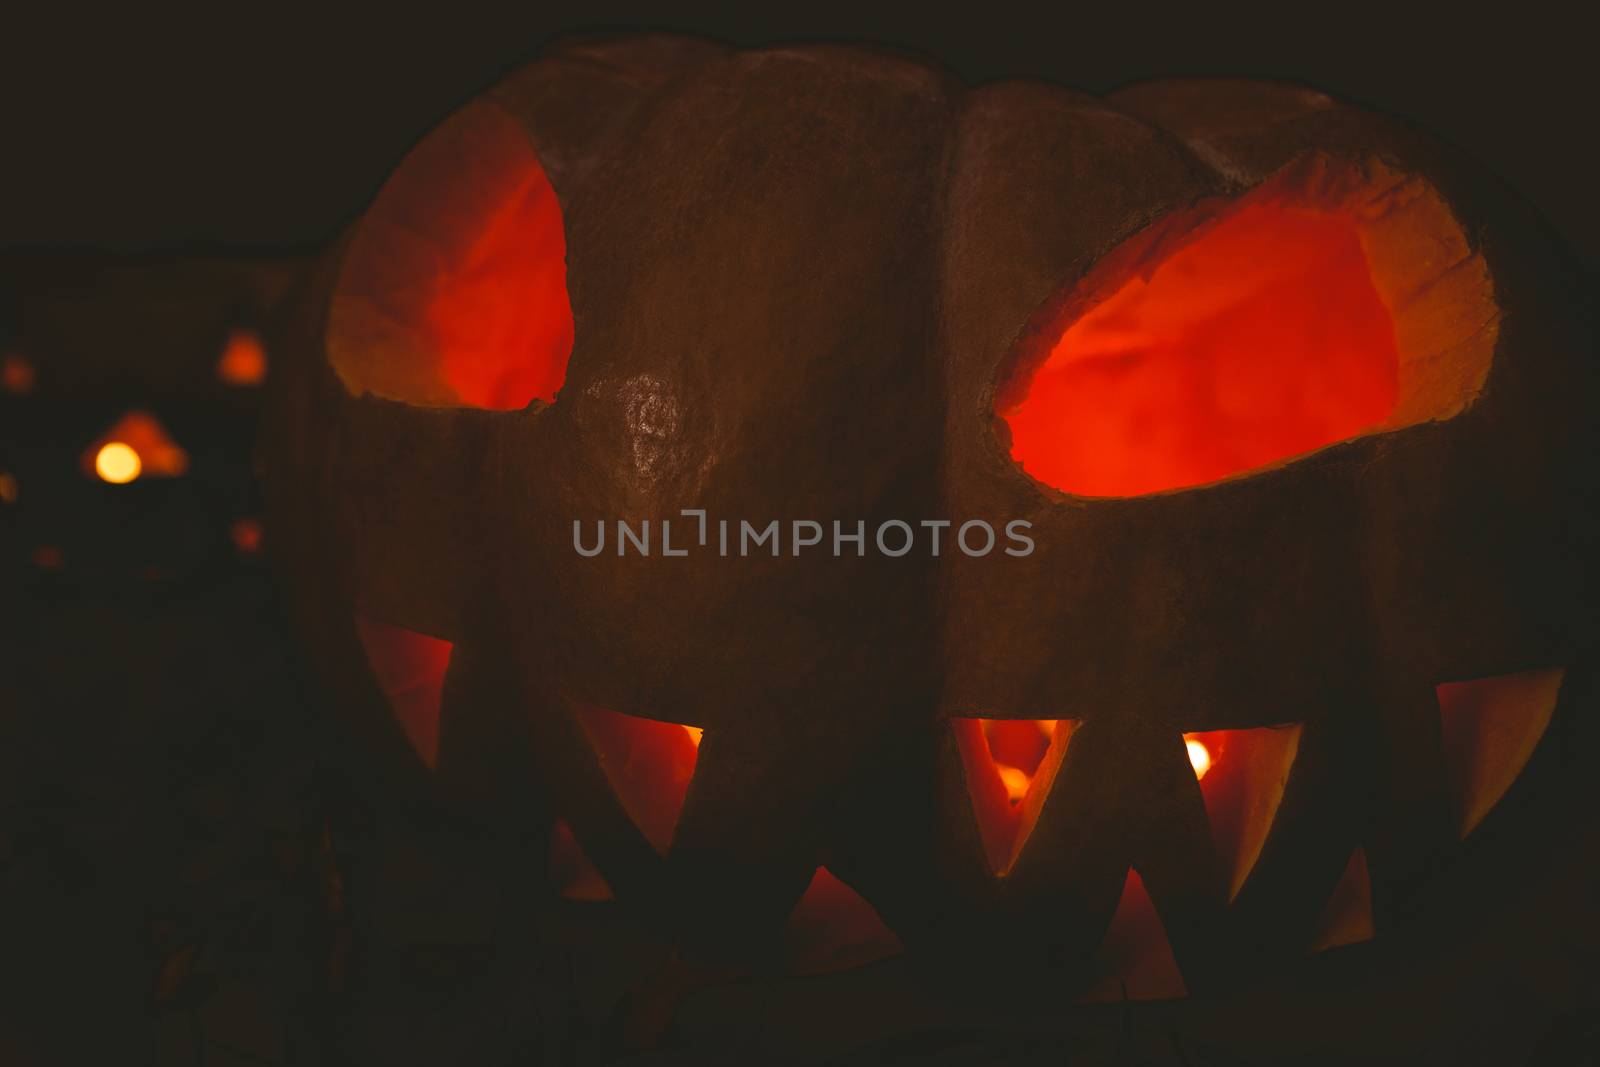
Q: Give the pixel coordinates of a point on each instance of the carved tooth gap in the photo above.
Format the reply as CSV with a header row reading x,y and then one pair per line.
x,y
1010,766
1347,918
649,765
1135,959
833,928
572,871
409,668
1242,776
1489,728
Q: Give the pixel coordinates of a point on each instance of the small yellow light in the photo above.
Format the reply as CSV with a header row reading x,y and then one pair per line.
x,y
117,463
1016,781
1199,757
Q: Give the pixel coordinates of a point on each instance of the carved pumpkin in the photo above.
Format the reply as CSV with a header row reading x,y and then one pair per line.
x,y
1294,404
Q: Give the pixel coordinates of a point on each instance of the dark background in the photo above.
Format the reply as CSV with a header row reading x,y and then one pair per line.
x,y
271,124
175,831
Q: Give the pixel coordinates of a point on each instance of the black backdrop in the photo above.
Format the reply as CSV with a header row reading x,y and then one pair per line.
x,y
269,124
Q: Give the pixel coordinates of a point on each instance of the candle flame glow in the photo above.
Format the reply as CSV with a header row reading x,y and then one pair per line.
x,y
1016,781
117,463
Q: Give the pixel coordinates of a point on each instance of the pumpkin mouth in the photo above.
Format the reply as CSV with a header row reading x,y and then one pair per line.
x,y
1488,729
650,765
1332,301
1011,764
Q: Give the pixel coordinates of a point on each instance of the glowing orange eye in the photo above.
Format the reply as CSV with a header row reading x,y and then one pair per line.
x,y
454,287
1336,299
1259,338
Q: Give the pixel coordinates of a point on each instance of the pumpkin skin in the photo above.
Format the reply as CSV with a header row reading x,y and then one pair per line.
x,y
802,281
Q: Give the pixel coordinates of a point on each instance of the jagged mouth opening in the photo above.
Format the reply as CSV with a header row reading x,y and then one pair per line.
x,y
1489,729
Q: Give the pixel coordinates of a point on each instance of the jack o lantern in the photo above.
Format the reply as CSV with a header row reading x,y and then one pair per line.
x,y
1285,407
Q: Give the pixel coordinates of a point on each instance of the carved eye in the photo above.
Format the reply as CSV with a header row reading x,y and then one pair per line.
x,y
1242,333
454,289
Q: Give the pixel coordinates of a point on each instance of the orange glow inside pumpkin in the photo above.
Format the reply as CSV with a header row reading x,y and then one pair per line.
x,y
1489,728
1261,337
502,323
1134,960
1011,763
1017,746
1242,776
649,765
454,287
409,668
833,928
1009,766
